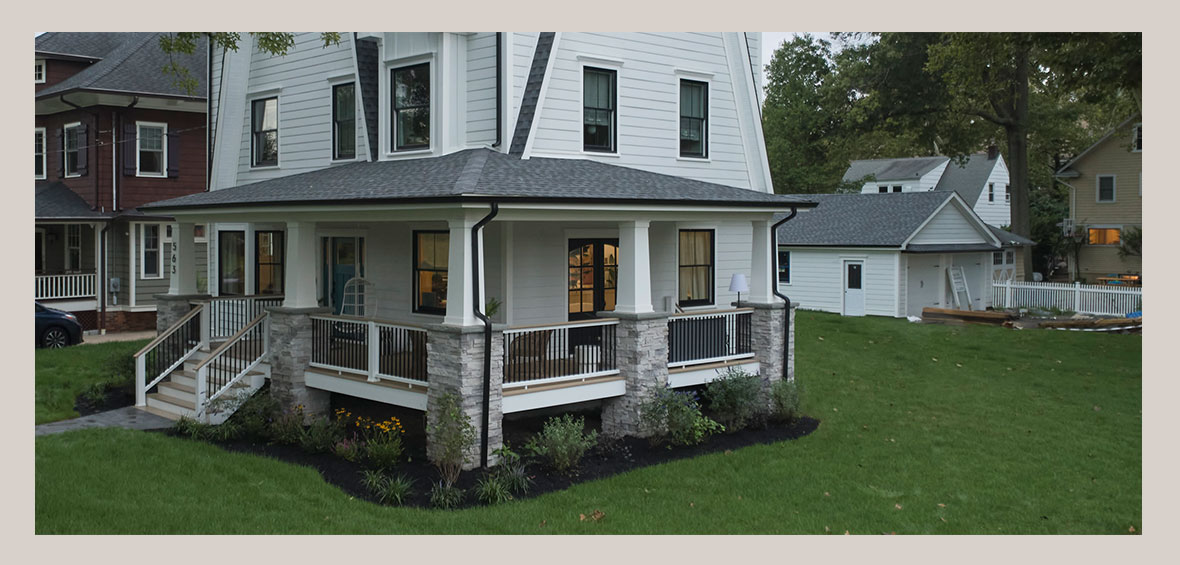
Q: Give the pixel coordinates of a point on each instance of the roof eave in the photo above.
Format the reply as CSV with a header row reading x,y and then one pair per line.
x,y
45,94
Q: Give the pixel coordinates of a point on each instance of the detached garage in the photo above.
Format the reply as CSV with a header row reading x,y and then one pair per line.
x,y
888,254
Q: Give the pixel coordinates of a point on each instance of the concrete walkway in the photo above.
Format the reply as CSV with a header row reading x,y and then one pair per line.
x,y
118,336
131,418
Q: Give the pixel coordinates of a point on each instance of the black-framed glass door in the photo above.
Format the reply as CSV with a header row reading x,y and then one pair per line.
x,y
231,263
593,267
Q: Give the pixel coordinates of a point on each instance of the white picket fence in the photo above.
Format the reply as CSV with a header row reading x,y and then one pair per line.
x,y
1097,299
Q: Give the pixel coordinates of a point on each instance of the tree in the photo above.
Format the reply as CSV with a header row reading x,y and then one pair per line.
x,y
275,43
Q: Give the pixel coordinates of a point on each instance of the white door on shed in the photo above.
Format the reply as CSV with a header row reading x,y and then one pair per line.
x,y
854,294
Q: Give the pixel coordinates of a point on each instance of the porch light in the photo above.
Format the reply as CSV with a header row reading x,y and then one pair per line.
x,y
739,284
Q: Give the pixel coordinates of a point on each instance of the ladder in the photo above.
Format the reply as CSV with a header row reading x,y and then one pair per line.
x,y
958,280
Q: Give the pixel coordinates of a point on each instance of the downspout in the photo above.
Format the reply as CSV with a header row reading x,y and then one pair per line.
x,y
499,90
487,331
102,277
787,313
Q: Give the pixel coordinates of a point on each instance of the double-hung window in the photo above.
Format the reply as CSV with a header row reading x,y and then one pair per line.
x,y
1103,236
991,192
264,138
431,253
1106,188
696,267
997,258
152,146
39,153
73,247
268,263
344,121
694,118
598,109
410,108
72,149
1007,193
39,71
150,255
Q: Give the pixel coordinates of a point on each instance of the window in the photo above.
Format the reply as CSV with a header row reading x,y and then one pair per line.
x,y
1137,143
151,144
411,107
1010,257
231,263
264,141
268,268
896,188
694,118
1007,193
39,72
431,252
883,189
696,267
784,266
998,258
73,247
1103,236
151,260
991,192
1106,188
72,139
344,121
39,153
598,110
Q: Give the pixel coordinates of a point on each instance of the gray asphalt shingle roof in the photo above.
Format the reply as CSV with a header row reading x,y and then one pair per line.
x,y
95,45
861,220
135,65
478,173
55,201
967,179
1009,238
892,169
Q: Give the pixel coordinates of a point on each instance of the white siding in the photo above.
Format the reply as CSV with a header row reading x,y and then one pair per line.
x,y
754,51
950,225
481,89
930,179
999,212
648,99
926,283
817,279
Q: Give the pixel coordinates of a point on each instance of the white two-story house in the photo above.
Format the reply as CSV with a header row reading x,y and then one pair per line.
x,y
524,219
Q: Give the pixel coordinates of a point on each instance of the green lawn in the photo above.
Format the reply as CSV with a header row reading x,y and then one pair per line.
x,y
926,429
63,374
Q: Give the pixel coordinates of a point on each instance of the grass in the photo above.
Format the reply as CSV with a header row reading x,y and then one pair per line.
x,y
63,374
926,429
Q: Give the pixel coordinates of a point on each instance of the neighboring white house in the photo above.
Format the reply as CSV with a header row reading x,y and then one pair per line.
x,y
603,187
889,255
982,181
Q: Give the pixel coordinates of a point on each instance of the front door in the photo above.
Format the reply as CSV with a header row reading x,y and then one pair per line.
x,y
342,260
854,294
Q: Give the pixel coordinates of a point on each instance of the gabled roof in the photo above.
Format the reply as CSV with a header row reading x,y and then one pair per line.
x,y
1064,171
480,175
967,179
1010,239
55,201
861,220
74,45
892,169
135,65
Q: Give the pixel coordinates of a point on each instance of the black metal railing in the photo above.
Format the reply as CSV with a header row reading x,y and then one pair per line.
x,y
340,344
710,337
576,349
402,352
169,350
233,359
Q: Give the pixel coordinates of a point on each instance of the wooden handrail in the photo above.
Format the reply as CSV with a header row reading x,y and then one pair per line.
x,y
576,323
243,297
358,319
229,342
169,331
687,313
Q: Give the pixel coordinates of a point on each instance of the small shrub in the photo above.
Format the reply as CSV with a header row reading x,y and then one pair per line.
x,y
387,489
676,417
120,366
513,471
349,449
320,436
733,398
287,427
445,496
225,431
96,393
785,398
492,489
384,450
191,428
562,442
453,435
257,413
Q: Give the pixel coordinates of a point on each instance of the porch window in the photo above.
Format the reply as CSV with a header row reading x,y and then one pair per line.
x,y
268,269
694,118
598,109
1106,188
39,153
264,138
231,263
73,137
344,121
431,252
73,247
411,107
152,140
1103,236
784,266
150,256
696,267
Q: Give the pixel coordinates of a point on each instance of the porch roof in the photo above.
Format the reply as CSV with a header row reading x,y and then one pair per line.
x,y
480,175
55,201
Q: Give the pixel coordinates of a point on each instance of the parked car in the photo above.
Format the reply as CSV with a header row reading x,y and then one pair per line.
x,y
56,328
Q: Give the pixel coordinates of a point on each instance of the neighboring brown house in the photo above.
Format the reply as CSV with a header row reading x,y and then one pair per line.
x,y
1106,201
113,132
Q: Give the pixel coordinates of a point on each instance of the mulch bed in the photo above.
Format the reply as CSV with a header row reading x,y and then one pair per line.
x,y
609,458
114,397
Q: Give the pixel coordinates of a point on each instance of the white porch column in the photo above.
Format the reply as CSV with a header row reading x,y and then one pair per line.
x,y
182,271
634,286
459,274
300,264
762,275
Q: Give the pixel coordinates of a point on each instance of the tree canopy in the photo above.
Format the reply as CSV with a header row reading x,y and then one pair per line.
x,y
275,43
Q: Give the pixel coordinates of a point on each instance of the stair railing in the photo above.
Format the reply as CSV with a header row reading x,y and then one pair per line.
x,y
170,350
231,361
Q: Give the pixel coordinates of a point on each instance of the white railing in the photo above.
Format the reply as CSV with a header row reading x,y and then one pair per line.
x,y
1097,299
232,361
375,349
698,338
560,352
229,314
170,350
52,287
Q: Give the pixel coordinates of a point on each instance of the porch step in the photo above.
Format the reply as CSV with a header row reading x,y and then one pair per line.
x,y
160,413
172,405
178,391
188,378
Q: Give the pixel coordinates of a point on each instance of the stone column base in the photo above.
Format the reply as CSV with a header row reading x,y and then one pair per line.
x,y
173,307
642,349
290,353
767,328
454,364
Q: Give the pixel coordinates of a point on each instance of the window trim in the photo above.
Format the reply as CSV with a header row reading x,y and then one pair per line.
x,y
44,71
897,188
706,145
333,86
598,65
44,154
991,192
778,275
997,258
65,164
1007,193
1114,189
1136,138
1118,227
882,189
143,274
712,300
255,165
163,151
391,115
418,308
69,268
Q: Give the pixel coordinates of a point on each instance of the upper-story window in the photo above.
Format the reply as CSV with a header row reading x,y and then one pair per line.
x,y
1106,188
694,118
151,147
73,152
1137,143
598,109
264,138
411,107
344,121
991,192
896,188
883,189
39,71
39,153
1007,193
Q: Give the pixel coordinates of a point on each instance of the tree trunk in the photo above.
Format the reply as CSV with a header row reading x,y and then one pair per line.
x,y
1017,133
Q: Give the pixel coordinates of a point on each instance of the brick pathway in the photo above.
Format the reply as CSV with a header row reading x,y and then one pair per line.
x,y
130,417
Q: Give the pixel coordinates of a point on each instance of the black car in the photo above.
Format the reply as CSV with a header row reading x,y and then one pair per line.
x,y
56,328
